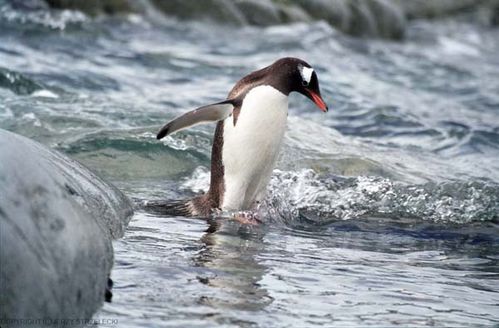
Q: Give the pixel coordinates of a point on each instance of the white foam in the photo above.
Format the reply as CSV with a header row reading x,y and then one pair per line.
x,y
199,180
290,192
32,117
44,93
455,47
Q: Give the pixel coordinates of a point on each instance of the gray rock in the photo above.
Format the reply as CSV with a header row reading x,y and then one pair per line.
x,y
57,221
493,6
495,17
366,18
336,12
363,22
94,7
396,15
293,13
259,12
390,20
219,11
434,9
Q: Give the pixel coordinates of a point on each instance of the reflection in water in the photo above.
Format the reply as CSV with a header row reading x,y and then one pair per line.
x,y
372,271
229,251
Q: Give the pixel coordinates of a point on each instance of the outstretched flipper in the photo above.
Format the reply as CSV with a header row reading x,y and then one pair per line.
x,y
209,113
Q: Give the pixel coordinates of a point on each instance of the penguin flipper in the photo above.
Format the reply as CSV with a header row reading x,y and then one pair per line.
x,y
209,113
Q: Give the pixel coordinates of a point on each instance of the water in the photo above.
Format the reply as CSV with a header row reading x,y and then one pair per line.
x,y
382,212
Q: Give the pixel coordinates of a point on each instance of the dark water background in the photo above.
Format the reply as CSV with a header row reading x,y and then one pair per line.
x,y
382,212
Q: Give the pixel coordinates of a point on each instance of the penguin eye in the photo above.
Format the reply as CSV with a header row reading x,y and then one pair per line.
x,y
306,75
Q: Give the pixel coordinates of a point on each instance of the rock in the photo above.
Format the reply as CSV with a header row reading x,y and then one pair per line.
x,y
94,7
259,12
365,18
57,221
219,11
494,12
293,13
433,9
336,12
390,20
17,82
28,4
363,22
495,17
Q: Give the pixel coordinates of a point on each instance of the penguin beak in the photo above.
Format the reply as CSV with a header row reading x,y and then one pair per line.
x,y
317,99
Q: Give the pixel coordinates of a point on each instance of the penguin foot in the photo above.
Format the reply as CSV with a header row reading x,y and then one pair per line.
x,y
249,218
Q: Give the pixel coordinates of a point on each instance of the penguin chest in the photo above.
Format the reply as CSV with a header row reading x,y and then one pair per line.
x,y
251,146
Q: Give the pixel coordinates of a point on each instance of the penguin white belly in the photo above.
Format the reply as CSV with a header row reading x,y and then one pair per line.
x,y
251,147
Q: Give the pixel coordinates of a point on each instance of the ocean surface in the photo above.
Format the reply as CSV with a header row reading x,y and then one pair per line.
x,y
382,212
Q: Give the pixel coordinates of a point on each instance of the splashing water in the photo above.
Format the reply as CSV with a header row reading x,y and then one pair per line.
x,y
326,199
348,198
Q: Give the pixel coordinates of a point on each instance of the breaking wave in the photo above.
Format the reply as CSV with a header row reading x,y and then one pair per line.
x,y
294,194
304,194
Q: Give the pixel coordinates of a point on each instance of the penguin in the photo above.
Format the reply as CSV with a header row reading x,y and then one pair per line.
x,y
249,133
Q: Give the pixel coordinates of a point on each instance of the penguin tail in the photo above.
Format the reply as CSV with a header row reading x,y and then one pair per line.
x,y
167,207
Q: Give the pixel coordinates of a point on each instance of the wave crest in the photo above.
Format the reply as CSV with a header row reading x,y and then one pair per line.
x,y
305,193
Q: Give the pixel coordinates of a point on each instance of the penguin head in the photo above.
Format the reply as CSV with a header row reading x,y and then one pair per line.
x,y
307,84
298,76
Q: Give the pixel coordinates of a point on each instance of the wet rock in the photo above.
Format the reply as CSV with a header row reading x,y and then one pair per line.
x,y
219,11
434,9
494,20
28,4
293,13
240,12
57,221
336,12
390,20
365,18
94,7
363,22
487,14
17,82
259,12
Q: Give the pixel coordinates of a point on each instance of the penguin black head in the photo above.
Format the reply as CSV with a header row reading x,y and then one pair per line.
x,y
293,74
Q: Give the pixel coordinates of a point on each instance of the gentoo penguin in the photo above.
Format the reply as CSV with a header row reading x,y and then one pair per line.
x,y
248,136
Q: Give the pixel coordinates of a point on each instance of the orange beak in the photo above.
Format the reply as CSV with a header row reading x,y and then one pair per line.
x,y
317,99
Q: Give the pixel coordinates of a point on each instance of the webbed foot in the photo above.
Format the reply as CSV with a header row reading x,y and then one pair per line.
x,y
247,217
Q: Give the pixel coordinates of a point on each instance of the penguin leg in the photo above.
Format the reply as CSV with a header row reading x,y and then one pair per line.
x,y
235,194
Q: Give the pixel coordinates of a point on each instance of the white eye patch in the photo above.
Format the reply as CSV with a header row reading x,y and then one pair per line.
x,y
306,73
